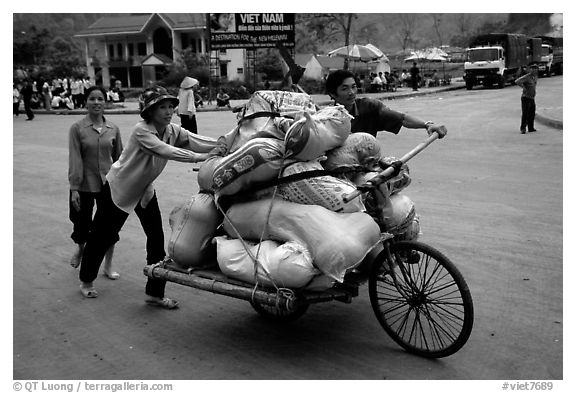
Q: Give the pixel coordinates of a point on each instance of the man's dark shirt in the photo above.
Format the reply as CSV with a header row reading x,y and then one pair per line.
x,y
371,116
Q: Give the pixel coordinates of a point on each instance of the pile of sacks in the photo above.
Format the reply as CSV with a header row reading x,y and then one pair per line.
x,y
298,234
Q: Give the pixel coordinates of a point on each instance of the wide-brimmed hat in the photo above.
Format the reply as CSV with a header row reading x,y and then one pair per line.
x,y
188,82
154,95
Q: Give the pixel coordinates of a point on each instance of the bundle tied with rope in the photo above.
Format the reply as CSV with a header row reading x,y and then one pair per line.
x,y
250,171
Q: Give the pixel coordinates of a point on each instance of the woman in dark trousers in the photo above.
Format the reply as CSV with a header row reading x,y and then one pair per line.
x,y
129,187
94,143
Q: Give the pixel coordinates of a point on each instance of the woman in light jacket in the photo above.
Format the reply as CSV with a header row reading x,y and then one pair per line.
x,y
129,187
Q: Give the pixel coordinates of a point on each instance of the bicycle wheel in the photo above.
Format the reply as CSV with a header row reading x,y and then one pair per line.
x,y
273,313
427,310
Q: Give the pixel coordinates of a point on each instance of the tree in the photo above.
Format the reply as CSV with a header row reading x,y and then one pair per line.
x,y
406,30
464,30
330,28
30,45
267,63
437,23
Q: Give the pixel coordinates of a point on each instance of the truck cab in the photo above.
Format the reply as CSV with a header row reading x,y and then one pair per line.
x,y
484,65
545,63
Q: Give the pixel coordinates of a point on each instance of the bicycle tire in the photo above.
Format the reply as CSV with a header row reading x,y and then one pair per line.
x,y
434,316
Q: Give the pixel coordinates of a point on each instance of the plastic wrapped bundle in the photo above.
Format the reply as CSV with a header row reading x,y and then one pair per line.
x,y
359,150
336,241
315,134
193,226
287,265
262,116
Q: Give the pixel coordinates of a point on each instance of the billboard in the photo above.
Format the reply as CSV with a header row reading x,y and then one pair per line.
x,y
251,30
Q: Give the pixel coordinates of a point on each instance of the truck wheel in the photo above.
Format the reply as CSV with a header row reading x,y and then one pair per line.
x,y
501,82
469,85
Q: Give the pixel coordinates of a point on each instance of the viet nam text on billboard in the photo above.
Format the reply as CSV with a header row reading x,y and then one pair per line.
x,y
228,31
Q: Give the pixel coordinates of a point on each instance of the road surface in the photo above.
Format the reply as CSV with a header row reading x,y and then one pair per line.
x,y
489,197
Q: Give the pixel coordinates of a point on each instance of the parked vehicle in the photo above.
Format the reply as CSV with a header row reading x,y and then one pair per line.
x,y
551,60
497,58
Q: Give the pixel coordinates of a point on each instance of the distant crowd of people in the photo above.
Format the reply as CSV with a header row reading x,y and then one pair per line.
x,y
58,93
391,81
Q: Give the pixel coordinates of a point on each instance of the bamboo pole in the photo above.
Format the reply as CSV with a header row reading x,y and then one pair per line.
x,y
210,282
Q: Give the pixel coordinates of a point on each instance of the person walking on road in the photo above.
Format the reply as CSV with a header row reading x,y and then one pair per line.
x,y
414,76
94,145
528,102
187,105
371,115
129,188
27,93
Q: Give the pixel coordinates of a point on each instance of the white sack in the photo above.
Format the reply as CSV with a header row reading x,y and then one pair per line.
x,y
337,241
288,265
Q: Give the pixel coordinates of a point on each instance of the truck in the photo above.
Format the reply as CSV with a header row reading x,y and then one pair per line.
x,y
551,60
497,58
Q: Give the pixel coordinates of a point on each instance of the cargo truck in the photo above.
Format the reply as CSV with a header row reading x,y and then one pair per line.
x,y
551,61
496,59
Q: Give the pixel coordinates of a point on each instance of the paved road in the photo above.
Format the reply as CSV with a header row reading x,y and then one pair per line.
x,y
489,197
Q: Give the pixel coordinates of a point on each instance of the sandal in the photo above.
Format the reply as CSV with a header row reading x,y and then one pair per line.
x,y
168,304
112,275
88,292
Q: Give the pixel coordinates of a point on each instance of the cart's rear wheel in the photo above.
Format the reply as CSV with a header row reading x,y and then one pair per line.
x,y
428,311
277,314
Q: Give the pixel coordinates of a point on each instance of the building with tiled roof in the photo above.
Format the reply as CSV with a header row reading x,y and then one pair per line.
x,y
138,49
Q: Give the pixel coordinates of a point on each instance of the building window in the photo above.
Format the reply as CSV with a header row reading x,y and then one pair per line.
x,y
141,49
130,50
239,70
224,70
110,51
120,52
222,51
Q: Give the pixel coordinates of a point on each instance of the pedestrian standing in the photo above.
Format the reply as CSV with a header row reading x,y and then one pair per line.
x,y
76,93
129,188
27,94
94,145
47,95
87,83
414,76
15,100
528,100
187,105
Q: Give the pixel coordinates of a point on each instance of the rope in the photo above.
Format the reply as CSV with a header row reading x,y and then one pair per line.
x,y
280,292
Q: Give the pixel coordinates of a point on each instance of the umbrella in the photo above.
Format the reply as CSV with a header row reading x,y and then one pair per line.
x,y
416,55
357,52
378,51
436,54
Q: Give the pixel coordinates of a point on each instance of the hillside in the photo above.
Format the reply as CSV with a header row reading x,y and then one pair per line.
x,y
394,32
48,38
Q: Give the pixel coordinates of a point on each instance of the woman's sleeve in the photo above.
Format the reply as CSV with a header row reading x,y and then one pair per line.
x,y
75,164
190,141
152,145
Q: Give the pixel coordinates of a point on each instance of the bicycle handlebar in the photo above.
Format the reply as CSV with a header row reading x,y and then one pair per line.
x,y
383,176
